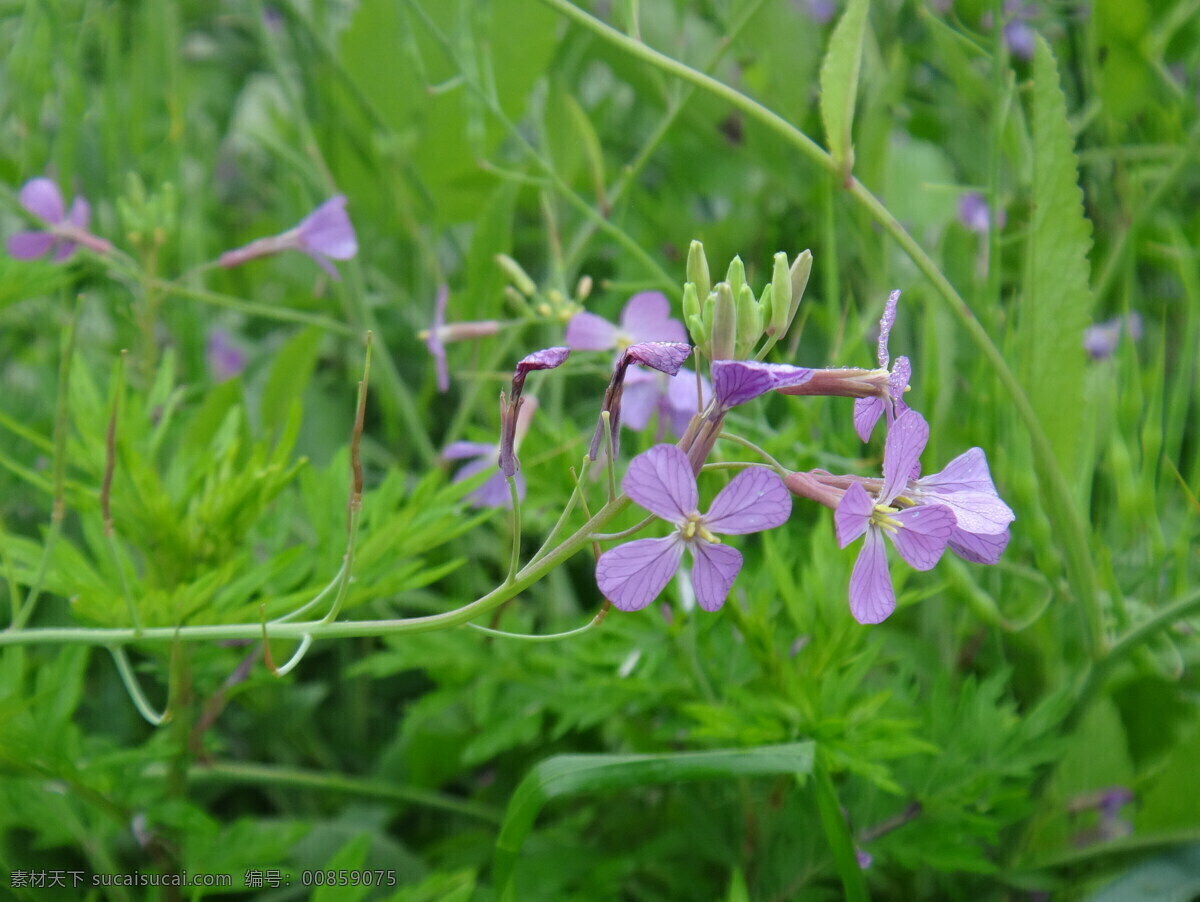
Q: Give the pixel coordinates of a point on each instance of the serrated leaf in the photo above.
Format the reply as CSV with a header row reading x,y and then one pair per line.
x,y
1056,305
839,83
570,775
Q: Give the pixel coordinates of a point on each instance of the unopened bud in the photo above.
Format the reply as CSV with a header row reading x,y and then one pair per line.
x,y
723,341
736,275
691,301
519,277
749,323
781,296
697,269
584,288
801,267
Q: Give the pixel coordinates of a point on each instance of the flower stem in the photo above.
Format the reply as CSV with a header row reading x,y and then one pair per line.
x,y
515,557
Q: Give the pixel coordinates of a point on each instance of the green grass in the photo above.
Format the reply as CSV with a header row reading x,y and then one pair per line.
x,y
962,744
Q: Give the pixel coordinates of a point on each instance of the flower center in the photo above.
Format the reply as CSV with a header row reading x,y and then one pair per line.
x,y
882,517
694,529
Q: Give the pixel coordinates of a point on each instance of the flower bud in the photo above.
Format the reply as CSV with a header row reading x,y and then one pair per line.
x,y
519,277
801,267
723,341
736,275
778,316
749,323
697,269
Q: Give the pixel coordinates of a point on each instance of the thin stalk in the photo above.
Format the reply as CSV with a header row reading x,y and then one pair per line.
x,y
550,637
134,688
514,560
746,443
251,308
624,533
290,664
562,518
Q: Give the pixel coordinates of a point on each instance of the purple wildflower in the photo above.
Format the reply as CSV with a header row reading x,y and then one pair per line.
x,y
867,411
325,234
510,407
980,534
674,398
919,533
494,490
1100,340
738,381
439,334
225,359
975,214
65,229
1020,38
661,480
664,356
646,317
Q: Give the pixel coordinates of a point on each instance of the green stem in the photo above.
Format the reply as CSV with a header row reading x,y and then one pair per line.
x,y
841,844
514,560
250,308
746,443
129,678
1060,504
551,637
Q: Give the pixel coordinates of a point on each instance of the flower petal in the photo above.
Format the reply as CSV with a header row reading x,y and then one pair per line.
x,y
327,231
756,499
898,383
661,481
977,512
738,381
80,212
589,332
714,568
632,575
42,198
647,317
460,450
639,400
322,261
885,328
853,515
63,251
921,538
867,412
664,356
545,359
681,398
872,598
978,549
906,439
29,245
966,473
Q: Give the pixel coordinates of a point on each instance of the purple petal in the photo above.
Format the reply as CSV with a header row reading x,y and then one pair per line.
x,y
867,412
494,491
661,481
923,533
42,198
479,465
29,245
322,261
978,549
681,398
906,440
1020,39
327,231
664,356
63,251
639,399
872,598
632,575
80,212
433,340
738,381
976,512
545,359
898,383
973,212
714,568
756,499
460,450
647,317
853,515
589,332
885,328
966,473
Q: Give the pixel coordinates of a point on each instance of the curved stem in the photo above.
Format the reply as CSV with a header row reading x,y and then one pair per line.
x,y
129,678
290,664
624,533
551,637
746,443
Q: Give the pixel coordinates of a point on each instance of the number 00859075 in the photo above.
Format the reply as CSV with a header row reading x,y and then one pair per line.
x,y
347,877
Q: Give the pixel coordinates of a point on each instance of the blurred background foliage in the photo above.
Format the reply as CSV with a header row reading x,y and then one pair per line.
x,y
459,130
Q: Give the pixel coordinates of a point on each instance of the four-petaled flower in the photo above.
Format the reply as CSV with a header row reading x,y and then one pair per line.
x,y
920,533
980,534
867,411
324,235
661,480
674,398
65,228
646,317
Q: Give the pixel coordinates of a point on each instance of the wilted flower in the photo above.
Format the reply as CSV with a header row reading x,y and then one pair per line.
x,y
510,407
494,490
738,381
65,229
661,480
920,533
646,317
439,334
867,411
225,359
325,234
664,356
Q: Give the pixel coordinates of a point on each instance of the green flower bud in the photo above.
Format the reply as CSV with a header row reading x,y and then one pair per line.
x,y
749,323
781,297
691,301
723,340
736,276
519,277
801,267
697,269
698,331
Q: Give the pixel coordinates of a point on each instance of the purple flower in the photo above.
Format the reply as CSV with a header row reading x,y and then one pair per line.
x,y
975,215
510,407
646,317
225,359
66,229
1020,38
673,397
738,381
664,356
1109,825
980,534
920,533
820,11
439,334
325,234
661,480
494,490
867,411
1100,340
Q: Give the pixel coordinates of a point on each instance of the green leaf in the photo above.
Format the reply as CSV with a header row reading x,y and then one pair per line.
x,y
839,83
349,858
1056,305
569,775
1171,877
290,373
